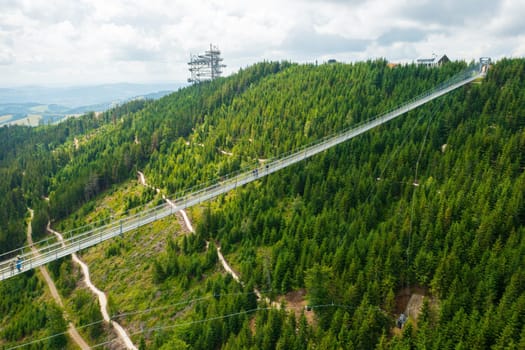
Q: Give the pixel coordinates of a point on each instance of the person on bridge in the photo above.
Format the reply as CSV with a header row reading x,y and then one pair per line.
x,y
19,263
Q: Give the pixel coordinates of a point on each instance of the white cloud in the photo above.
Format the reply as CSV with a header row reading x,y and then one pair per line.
x,y
83,41
6,57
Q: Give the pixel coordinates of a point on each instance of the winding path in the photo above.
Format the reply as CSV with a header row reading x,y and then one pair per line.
x,y
225,265
187,222
102,299
71,329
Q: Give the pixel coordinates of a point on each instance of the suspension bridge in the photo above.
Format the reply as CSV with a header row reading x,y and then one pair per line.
x,y
76,240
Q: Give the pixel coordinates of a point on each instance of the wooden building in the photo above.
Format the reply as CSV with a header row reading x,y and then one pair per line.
x,y
435,61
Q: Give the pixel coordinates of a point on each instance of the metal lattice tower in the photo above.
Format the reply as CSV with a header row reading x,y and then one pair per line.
x,y
207,66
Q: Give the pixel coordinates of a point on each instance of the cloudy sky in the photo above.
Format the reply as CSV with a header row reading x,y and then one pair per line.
x,y
65,42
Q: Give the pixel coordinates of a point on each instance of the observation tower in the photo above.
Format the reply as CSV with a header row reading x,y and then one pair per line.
x,y
207,66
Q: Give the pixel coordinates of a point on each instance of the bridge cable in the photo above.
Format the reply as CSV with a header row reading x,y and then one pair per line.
x,y
189,301
243,312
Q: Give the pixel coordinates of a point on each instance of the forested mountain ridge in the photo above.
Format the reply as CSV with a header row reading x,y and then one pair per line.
x,y
434,200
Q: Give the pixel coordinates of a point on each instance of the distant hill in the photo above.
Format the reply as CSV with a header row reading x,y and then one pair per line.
x,y
75,96
43,105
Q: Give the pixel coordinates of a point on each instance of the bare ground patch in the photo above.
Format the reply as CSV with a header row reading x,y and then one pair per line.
x,y
410,302
296,302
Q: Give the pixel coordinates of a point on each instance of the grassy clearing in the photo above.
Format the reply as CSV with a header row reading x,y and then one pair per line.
x,y
123,268
110,261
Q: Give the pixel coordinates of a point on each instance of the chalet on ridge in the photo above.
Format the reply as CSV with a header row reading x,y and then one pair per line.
x,y
435,61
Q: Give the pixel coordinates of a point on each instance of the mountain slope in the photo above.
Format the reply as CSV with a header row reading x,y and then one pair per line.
x,y
432,202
